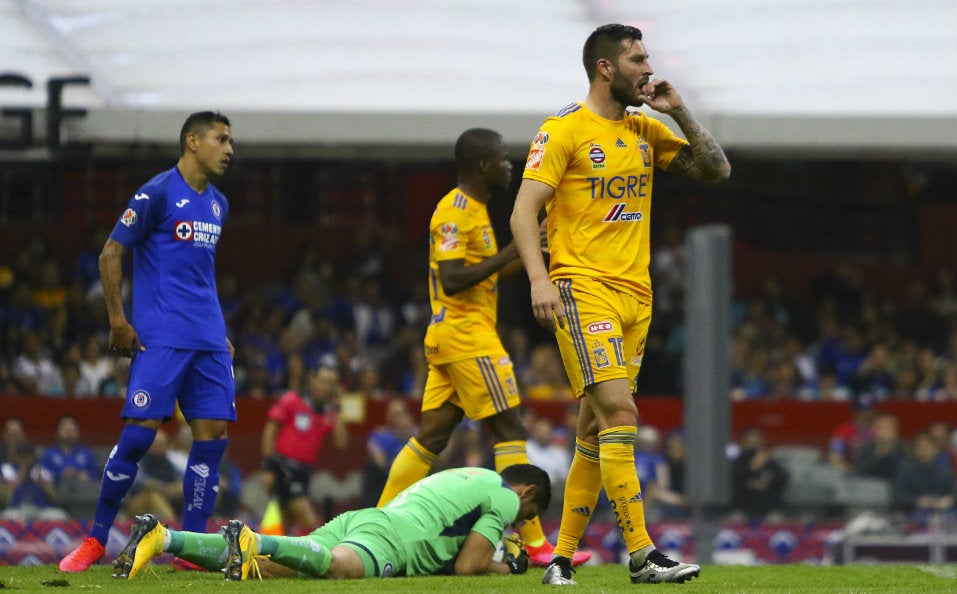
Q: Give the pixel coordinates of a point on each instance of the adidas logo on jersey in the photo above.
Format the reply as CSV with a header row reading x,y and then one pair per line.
x,y
583,511
620,144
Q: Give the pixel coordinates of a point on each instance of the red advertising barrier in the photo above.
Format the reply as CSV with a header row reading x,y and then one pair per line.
x,y
783,421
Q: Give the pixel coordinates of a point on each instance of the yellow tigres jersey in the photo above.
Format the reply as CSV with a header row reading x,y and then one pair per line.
x,y
462,325
600,214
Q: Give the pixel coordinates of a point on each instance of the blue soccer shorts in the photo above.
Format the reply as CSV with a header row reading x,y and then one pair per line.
x,y
201,381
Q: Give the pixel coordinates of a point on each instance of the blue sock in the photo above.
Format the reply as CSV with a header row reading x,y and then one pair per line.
x,y
118,475
201,483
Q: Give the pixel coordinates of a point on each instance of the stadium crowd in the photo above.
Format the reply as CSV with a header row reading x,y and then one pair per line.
x,y
845,341
848,342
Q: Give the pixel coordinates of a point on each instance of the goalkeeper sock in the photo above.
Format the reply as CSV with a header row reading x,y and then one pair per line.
x,y
617,454
581,495
206,550
299,553
508,453
412,464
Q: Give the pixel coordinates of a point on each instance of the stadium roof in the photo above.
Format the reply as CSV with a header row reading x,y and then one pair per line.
x,y
762,74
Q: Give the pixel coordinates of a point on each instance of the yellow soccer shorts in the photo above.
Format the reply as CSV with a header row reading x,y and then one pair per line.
x,y
481,386
604,334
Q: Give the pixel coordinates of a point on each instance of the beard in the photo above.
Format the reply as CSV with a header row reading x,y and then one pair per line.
x,y
623,92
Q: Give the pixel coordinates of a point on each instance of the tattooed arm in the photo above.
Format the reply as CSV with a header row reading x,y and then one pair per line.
x,y
703,160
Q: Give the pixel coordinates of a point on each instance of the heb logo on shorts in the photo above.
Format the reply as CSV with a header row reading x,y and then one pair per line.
x,y
140,399
599,327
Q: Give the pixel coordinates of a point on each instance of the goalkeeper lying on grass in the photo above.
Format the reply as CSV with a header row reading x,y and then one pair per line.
x,y
449,522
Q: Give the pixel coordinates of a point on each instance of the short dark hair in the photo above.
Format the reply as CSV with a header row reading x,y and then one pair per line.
x,y
64,418
475,144
605,42
529,474
199,123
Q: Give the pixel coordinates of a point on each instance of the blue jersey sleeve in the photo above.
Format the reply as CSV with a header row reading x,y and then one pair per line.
x,y
143,213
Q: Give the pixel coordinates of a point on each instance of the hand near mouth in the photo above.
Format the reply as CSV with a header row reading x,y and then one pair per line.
x,y
661,96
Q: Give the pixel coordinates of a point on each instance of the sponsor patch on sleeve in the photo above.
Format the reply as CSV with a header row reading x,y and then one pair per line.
x,y
535,157
450,237
129,217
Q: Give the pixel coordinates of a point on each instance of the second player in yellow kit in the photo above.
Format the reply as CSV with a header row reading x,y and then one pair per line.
x,y
470,373
468,365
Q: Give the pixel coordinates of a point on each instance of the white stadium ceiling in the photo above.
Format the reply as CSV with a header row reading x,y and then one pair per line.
x,y
762,74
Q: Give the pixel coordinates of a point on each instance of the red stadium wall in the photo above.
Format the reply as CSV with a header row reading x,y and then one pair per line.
x,y
783,421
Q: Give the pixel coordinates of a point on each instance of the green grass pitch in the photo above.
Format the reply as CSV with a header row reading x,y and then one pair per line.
x,y
776,579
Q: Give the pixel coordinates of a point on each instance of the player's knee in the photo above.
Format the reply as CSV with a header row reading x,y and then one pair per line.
x,y
436,445
207,429
509,434
435,440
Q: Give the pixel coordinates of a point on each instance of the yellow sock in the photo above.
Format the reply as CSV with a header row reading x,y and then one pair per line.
x,y
506,454
412,464
617,454
582,488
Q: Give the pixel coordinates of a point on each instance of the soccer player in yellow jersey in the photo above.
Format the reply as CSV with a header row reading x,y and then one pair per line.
x,y
470,374
591,166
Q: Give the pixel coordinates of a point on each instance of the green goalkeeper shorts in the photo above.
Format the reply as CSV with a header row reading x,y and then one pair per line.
x,y
369,533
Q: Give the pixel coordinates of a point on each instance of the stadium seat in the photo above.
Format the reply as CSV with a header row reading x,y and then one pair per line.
x,y
812,487
864,493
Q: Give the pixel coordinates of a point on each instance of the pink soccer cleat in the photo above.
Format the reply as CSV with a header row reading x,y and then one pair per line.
x,y
542,555
88,553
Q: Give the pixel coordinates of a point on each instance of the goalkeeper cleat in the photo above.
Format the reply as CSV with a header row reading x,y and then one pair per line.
x,y
559,573
80,559
542,555
146,541
242,546
659,569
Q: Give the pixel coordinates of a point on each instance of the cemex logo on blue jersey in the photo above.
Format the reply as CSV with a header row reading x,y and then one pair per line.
x,y
200,232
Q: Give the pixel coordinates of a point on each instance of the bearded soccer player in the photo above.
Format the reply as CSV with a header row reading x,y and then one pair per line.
x,y
470,374
177,338
591,166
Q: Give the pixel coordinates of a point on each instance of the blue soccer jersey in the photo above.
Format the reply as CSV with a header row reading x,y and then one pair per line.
x,y
172,231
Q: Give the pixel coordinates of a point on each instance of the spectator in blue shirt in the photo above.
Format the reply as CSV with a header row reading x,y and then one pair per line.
x,y
69,461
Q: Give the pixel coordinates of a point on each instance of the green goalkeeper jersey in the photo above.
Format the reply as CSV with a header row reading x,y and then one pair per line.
x,y
435,515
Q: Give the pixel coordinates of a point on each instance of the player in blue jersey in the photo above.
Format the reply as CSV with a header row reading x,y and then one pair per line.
x,y
177,338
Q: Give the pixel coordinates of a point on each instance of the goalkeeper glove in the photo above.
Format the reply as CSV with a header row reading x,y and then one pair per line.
x,y
515,555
